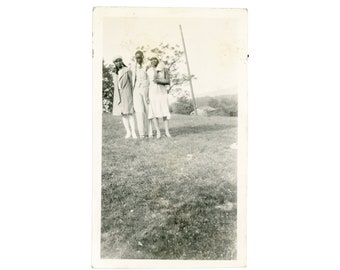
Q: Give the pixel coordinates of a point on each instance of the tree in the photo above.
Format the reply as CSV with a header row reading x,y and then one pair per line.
x,y
173,57
213,102
183,105
107,87
226,107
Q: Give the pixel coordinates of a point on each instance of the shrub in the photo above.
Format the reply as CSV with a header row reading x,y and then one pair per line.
x,y
107,88
183,106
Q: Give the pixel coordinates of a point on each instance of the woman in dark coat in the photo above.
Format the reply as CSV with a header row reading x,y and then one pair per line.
x,y
123,81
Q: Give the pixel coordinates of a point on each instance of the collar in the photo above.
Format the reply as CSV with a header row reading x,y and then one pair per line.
x,y
122,71
140,66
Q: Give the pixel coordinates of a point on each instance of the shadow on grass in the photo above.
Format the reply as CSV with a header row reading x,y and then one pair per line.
x,y
184,130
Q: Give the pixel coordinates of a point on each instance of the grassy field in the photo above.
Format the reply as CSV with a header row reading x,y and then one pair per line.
x,y
173,198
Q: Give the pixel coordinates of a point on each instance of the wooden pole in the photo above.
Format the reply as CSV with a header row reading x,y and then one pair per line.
x,y
186,58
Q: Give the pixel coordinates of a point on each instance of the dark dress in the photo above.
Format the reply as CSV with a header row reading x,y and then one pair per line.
x,y
124,84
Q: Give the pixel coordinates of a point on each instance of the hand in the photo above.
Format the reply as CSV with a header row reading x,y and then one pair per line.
x,y
147,100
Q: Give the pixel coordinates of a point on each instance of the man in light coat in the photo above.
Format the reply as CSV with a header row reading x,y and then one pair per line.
x,y
141,94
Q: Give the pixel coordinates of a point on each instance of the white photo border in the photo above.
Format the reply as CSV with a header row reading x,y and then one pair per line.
x,y
97,34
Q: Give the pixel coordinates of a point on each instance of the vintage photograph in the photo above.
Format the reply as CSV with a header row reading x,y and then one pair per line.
x,y
169,137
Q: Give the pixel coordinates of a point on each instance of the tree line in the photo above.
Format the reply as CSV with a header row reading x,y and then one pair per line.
x,y
219,105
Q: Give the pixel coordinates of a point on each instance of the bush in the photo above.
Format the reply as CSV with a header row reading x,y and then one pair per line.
x,y
182,106
107,88
213,102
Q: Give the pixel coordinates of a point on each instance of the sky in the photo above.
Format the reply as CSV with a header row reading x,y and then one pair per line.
x,y
216,47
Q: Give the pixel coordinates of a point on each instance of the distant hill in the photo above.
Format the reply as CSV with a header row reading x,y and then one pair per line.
x,y
204,101
224,104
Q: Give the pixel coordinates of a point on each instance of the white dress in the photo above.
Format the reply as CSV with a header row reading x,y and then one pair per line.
x,y
158,96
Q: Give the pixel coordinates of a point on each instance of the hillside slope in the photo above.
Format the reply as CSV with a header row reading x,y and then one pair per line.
x,y
170,198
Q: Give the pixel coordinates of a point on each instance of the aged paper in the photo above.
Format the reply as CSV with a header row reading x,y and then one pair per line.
x,y
161,201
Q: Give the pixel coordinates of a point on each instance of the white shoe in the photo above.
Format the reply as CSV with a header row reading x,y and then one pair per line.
x,y
134,136
127,136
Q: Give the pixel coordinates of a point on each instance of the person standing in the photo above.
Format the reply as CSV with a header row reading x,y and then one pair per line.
x,y
158,94
141,94
124,84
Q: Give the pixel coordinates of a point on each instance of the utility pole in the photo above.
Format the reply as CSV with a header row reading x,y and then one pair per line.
x,y
186,58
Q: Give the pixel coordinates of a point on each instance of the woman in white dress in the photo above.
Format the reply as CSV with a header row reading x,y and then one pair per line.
x,y
158,107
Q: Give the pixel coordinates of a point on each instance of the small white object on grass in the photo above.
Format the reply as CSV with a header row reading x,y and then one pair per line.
x,y
228,206
189,156
140,244
233,146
